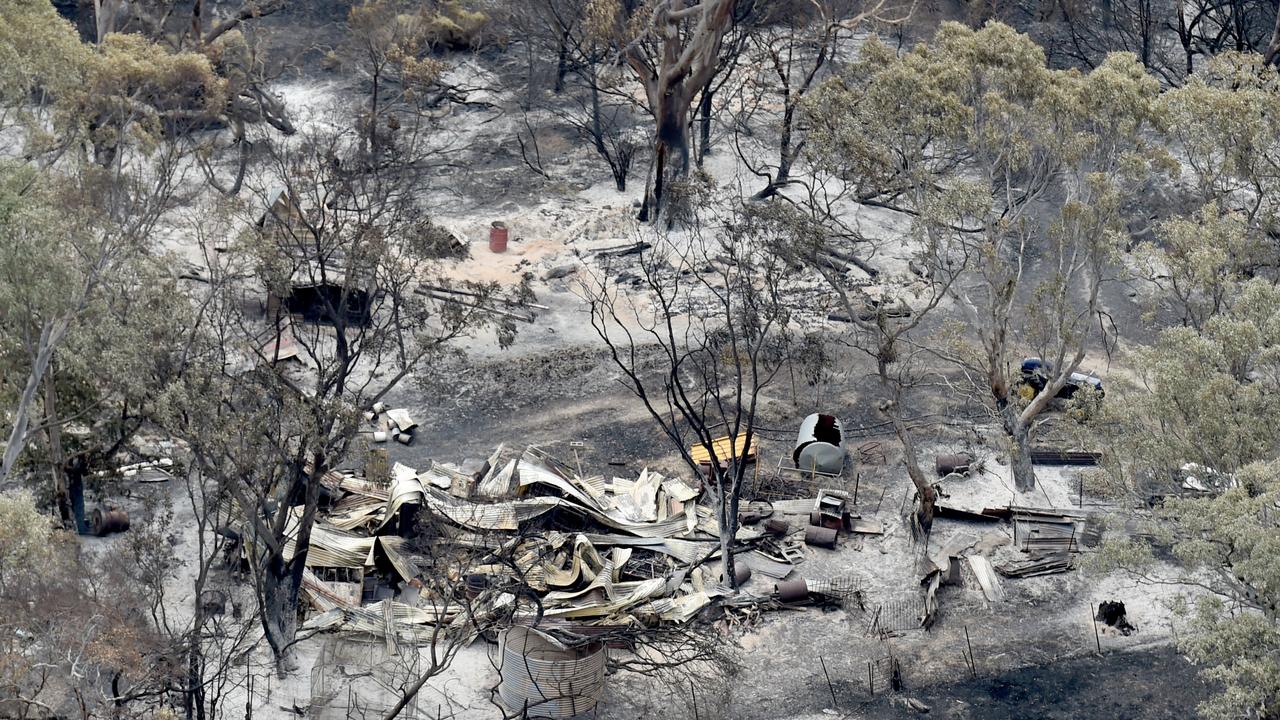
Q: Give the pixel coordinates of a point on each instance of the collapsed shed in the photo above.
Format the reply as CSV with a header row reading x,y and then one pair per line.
x,y
317,283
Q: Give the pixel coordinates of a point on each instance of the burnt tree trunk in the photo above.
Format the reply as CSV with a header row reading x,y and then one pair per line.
x,y
562,63
281,589
597,130
687,62
197,22
1024,475
785,154
281,580
193,698
704,124
61,493
928,496
728,525
671,148
1273,46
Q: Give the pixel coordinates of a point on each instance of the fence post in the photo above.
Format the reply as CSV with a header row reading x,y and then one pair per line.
x,y
834,703
973,667
1093,618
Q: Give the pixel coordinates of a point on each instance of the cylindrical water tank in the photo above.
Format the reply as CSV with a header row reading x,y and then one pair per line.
x,y
541,678
820,445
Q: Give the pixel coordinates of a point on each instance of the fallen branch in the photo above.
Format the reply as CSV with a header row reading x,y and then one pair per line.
x,y
851,259
479,306
622,250
504,301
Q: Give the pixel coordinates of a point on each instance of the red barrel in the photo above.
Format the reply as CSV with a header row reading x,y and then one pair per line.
x,y
498,237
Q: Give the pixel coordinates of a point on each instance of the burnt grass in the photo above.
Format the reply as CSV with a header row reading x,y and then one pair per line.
x,y
550,398
1153,683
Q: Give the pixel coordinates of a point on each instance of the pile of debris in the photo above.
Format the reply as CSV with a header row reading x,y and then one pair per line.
x,y
1047,538
594,551
390,423
401,554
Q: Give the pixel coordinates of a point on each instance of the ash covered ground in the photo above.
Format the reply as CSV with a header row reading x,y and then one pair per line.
x,y
1033,654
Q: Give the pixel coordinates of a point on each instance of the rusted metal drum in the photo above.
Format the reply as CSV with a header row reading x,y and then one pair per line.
x,y
791,590
777,527
820,537
106,522
475,585
817,519
955,463
741,573
498,237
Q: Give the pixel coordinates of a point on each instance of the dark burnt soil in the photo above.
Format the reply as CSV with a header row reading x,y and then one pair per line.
x,y
1156,683
574,394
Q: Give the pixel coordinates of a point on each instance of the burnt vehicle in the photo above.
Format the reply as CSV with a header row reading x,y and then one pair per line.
x,y
1037,373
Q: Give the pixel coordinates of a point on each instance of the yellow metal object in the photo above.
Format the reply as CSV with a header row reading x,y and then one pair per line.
x,y
725,451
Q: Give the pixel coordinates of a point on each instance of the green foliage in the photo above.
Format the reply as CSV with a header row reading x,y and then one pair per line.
x,y
1199,261
62,258
136,87
454,26
128,88
1241,651
1227,124
1191,405
1207,392
973,137
38,247
1235,535
984,96
29,544
41,54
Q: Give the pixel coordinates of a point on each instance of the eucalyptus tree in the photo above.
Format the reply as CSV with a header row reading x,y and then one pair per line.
x,y
673,49
976,141
79,255
1205,401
